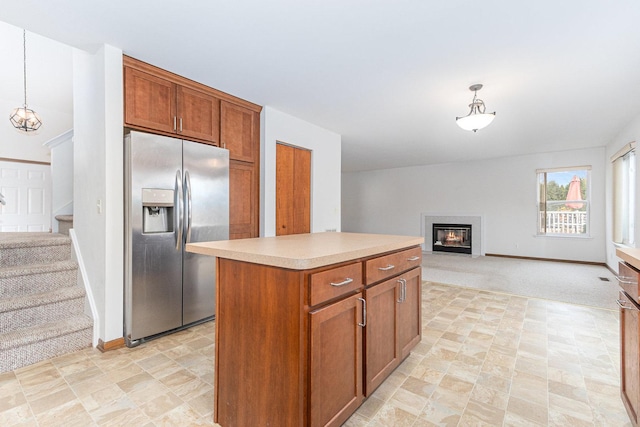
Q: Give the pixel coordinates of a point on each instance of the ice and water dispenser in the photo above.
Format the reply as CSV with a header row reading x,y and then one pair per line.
x,y
157,210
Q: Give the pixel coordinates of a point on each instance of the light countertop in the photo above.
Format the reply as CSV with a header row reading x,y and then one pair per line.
x,y
304,251
629,255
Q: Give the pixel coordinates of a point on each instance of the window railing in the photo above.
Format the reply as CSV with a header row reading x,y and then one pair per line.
x,y
563,222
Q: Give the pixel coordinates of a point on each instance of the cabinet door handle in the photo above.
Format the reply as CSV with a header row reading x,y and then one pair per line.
x,y
364,313
626,281
623,305
180,124
387,268
175,126
403,291
344,282
413,258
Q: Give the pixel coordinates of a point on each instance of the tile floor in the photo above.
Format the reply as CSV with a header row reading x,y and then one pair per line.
x,y
486,359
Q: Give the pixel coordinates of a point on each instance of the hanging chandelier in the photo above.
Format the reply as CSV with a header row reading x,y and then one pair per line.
x,y
23,118
477,118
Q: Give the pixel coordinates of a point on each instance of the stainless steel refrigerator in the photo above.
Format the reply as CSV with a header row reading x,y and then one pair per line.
x,y
176,192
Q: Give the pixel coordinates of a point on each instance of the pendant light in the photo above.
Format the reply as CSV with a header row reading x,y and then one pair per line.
x,y
23,118
477,118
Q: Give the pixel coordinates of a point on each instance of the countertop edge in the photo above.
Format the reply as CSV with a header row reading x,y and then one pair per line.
x,y
630,255
304,263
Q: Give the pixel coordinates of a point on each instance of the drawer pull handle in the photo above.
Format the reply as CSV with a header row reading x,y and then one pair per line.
x,y
364,313
387,268
626,281
344,282
623,304
413,258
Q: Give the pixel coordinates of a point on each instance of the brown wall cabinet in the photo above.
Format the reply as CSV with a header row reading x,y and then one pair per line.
x,y
158,101
629,341
291,344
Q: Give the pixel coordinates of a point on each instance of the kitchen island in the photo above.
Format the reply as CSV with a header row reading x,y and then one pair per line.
x,y
309,325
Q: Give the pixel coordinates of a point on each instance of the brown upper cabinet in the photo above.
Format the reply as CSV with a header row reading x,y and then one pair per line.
x,y
158,104
162,102
239,132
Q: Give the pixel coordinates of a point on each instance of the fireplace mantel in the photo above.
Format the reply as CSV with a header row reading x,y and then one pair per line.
x,y
476,221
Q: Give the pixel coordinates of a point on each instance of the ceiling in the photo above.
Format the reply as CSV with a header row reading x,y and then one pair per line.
x,y
389,76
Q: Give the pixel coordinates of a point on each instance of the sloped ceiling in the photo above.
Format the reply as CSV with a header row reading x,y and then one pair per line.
x,y
389,76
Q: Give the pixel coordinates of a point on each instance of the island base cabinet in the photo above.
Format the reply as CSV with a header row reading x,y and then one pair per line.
x,y
336,362
629,356
410,313
393,325
381,333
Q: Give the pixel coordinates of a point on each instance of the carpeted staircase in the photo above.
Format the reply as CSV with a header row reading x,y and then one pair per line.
x,y
41,304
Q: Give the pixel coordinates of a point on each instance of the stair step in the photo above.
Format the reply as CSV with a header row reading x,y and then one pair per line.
x,y
36,343
27,310
32,248
65,222
32,279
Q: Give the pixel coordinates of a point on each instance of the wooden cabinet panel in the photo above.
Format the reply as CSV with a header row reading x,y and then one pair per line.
x,y
330,284
239,132
629,357
260,356
381,347
389,265
335,385
198,115
243,200
149,101
628,280
410,312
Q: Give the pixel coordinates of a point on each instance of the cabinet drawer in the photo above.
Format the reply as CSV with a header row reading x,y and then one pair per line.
x,y
628,280
389,265
332,283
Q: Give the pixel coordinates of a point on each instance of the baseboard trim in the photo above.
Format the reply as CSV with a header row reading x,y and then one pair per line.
x,y
110,345
600,264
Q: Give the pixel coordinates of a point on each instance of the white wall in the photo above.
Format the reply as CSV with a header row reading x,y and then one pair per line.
x,y
502,190
61,176
629,134
49,92
325,169
98,111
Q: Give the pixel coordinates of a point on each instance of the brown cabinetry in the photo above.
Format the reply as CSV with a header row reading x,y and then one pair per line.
x,y
393,325
335,366
291,344
240,131
158,101
155,103
243,200
629,341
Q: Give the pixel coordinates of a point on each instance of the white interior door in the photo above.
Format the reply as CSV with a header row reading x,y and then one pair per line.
x,y
26,188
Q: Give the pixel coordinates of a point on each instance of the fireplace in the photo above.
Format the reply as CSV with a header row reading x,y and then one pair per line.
x,y
452,238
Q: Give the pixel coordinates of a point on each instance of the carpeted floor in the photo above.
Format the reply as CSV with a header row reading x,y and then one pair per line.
x,y
559,281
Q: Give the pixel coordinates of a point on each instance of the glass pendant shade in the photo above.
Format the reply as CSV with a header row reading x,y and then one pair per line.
x,y
25,119
475,121
477,118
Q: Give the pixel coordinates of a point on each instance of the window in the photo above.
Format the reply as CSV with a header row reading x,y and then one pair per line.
x,y
563,201
624,190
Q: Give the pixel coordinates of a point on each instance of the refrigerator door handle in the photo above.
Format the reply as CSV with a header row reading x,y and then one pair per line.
x,y
178,218
187,188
